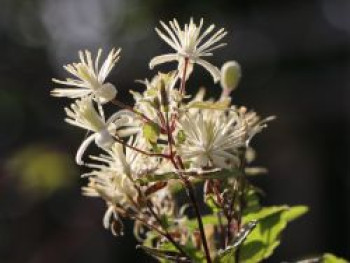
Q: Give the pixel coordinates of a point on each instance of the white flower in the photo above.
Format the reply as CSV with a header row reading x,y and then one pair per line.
x,y
116,189
112,187
124,160
212,138
113,178
89,77
252,122
83,114
160,88
190,43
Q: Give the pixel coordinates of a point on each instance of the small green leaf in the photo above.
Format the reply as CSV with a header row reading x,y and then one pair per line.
x,y
220,105
192,224
151,132
196,256
252,201
181,137
165,222
326,258
151,178
210,202
220,174
170,255
330,258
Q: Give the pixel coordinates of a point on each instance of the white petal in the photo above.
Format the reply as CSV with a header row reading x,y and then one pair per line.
x,y
83,147
71,82
162,59
70,93
214,71
120,114
107,217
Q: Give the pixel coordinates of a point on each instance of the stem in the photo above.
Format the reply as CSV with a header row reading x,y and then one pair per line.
x,y
225,94
166,233
242,185
191,194
141,151
170,137
183,80
187,183
222,230
129,108
230,213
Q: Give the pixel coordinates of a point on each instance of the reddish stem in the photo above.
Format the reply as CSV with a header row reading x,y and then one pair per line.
x,y
184,74
129,108
142,151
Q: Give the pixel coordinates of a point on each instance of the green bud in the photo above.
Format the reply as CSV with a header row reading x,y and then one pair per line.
x,y
230,75
156,103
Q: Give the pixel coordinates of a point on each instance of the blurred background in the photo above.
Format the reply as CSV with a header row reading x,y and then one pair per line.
x,y
295,57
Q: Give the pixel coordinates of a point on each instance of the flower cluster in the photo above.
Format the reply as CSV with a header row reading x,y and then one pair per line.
x,y
166,141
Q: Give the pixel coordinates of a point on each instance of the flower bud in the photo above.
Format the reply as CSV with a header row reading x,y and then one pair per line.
x,y
230,75
106,93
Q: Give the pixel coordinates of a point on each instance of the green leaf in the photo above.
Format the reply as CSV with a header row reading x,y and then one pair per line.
x,y
181,137
228,255
169,255
330,258
261,243
294,212
192,224
151,178
252,201
326,258
220,174
263,213
210,202
151,132
220,105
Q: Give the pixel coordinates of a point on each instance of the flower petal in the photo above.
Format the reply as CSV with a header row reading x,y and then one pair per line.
x,y
70,93
214,71
82,149
162,59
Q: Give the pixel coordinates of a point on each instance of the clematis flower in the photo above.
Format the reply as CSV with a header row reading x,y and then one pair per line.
x,y
89,78
212,138
252,122
83,114
190,43
124,160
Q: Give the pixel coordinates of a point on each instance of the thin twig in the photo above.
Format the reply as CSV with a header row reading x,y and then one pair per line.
x,y
242,185
191,194
141,151
129,108
187,183
166,232
184,75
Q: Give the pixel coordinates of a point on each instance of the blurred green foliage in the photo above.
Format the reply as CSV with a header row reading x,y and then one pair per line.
x,y
42,170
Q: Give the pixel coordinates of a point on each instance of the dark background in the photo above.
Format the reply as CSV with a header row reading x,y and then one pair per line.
x,y
296,64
